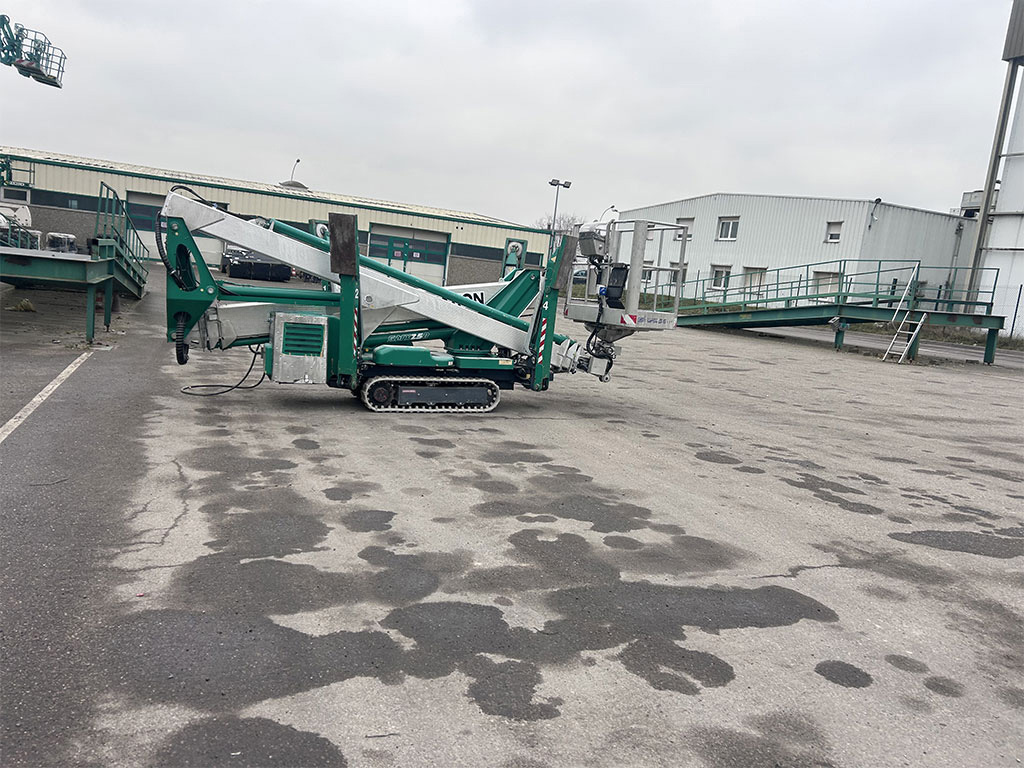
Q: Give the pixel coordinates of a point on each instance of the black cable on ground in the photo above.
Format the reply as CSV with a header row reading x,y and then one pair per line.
x,y
225,388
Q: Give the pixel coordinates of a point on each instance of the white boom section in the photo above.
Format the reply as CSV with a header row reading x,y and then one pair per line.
x,y
382,297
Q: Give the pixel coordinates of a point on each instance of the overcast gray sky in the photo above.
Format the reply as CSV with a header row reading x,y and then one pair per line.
x,y
476,105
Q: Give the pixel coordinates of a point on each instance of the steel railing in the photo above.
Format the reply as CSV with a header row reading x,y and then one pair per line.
x,y
13,235
887,283
113,223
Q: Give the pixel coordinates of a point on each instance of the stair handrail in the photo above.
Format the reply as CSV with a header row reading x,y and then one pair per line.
x,y
912,281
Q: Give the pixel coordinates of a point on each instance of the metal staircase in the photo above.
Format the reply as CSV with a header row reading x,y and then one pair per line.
x,y
908,331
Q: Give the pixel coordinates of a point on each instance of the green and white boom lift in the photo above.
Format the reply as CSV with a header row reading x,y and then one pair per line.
x,y
365,334
31,53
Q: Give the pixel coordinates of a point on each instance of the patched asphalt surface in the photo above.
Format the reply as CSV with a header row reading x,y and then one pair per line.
x,y
740,552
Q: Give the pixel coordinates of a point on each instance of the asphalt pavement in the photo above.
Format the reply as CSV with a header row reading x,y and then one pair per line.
x,y
739,552
877,344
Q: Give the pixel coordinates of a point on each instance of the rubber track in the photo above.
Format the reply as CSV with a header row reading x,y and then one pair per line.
x,y
431,381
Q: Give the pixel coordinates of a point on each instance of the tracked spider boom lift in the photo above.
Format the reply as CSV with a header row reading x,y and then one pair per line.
x,y
365,331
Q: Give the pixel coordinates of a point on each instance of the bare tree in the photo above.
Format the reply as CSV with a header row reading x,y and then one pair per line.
x,y
563,225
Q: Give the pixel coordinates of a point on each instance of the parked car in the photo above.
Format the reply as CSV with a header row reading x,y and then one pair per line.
x,y
237,262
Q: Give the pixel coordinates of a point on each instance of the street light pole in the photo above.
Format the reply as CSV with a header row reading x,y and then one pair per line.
x,y
292,177
554,216
609,208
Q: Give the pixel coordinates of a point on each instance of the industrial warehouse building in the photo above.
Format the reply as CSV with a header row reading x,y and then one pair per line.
x,y
738,240
733,235
62,192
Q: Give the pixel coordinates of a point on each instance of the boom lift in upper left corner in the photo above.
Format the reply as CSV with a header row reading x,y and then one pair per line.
x,y
31,53
365,334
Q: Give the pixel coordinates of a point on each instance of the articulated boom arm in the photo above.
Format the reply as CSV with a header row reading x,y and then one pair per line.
x,y
371,317
387,295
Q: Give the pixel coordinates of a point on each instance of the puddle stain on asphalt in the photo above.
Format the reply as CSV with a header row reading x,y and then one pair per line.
x,y
717,457
351,489
971,542
828,490
844,674
944,686
775,739
214,647
249,741
225,655
907,664
366,520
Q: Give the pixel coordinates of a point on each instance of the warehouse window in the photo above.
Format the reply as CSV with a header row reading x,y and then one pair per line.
x,y
832,231
826,284
728,227
688,223
754,277
17,195
720,276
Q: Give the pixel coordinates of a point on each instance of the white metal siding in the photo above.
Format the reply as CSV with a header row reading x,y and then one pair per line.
x,y
774,232
86,181
906,233
778,232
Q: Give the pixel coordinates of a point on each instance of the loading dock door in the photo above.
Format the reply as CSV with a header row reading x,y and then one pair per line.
x,y
417,252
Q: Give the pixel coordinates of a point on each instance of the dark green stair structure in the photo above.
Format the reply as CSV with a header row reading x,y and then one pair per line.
x,y
844,293
116,261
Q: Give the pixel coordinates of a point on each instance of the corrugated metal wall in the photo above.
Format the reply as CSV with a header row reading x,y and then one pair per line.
x,y
907,233
80,181
773,232
777,232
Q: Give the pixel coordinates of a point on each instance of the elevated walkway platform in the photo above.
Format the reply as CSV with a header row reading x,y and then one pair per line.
x,y
115,263
844,293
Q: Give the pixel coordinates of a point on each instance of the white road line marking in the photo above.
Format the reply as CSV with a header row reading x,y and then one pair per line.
x,y
15,421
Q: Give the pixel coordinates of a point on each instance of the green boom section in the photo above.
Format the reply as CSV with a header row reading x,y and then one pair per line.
x,y
405,277
486,310
544,326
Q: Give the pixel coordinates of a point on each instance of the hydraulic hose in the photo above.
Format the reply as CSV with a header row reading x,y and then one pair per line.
x,y
161,248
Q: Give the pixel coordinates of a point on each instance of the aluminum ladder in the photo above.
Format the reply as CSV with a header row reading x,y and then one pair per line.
x,y
908,331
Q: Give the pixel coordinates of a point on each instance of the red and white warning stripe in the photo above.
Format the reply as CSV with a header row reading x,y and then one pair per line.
x,y
355,333
629,320
543,338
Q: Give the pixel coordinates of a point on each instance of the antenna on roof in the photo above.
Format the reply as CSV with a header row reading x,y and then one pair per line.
x,y
291,179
